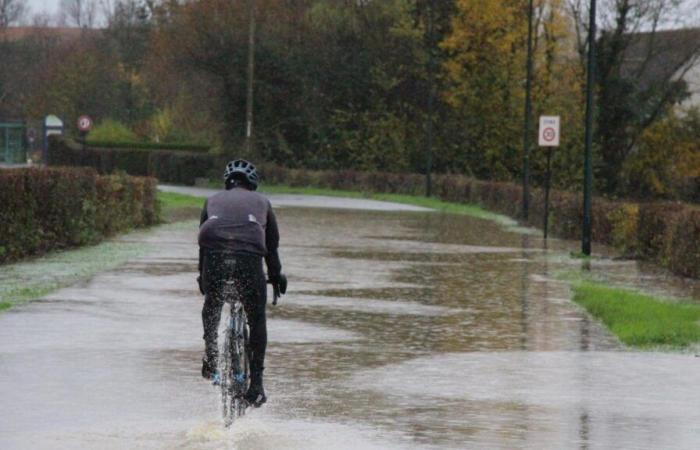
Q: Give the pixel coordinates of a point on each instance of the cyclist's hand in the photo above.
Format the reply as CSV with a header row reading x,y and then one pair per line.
x,y
199,282
282,284
279,287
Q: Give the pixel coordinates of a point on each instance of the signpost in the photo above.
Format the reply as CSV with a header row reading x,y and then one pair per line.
x,y
84,126
549,138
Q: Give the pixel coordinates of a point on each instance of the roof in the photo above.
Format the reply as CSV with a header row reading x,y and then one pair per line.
x,y
652,57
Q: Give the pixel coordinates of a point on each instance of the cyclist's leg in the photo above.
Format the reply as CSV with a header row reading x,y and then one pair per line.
x,y
254,290
214,276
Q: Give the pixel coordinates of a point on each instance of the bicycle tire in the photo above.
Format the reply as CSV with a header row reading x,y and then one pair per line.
x,y
235,373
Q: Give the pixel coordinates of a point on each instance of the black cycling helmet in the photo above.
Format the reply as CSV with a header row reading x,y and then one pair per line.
x,y
246,169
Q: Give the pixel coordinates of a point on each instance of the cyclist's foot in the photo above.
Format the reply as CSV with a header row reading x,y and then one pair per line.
x,y
208,369
255,396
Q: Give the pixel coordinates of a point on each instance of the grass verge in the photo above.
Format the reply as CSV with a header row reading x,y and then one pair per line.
x,y
641,320
170,201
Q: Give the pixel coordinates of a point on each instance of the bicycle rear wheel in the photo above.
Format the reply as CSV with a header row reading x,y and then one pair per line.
x,y
235,371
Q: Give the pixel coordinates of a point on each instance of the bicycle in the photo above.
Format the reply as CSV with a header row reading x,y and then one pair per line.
x,y
233,376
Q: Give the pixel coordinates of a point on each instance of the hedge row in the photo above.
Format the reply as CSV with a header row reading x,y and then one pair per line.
x,y
53,208
170,166
149,146
668,233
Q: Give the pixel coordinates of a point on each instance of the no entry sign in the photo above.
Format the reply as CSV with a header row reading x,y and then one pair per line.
x,y
549,131
84,123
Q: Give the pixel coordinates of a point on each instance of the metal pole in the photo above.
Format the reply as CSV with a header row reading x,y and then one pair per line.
x,y
547,186
528,116
431,101
587,170
251,70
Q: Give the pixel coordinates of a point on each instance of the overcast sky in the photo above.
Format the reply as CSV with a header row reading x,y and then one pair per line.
x,y
690,15
49,6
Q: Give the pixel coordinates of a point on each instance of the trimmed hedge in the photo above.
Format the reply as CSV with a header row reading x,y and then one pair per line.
x,y
668,233
149,146
173,166
54,208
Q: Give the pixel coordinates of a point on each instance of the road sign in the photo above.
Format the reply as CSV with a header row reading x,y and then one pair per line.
x,y
549,131
84,123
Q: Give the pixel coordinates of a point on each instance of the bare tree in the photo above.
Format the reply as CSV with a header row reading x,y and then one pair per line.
x,y
640,72
80,13
11,11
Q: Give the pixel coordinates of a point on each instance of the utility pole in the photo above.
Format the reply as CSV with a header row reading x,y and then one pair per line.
x,y
249,88
527,131
587,169
431,103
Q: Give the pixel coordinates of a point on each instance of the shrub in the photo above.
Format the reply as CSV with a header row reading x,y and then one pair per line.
x,y
654,230
112,130
624,221
54,208
684,245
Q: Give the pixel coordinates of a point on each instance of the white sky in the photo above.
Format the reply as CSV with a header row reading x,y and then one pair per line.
x,y
49,6
688,16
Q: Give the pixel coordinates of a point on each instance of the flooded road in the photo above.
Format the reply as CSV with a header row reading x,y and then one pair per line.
x,y
401,329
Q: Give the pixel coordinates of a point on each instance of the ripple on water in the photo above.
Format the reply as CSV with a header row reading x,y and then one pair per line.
x,y
370,305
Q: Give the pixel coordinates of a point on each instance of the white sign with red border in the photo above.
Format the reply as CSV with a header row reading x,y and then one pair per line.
x,y
84,123
549,131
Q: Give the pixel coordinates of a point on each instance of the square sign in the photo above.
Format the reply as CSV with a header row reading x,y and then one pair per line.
x,y
549,131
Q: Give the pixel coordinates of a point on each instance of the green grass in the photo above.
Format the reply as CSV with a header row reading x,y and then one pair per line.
x,y
170,201
641,320
5,305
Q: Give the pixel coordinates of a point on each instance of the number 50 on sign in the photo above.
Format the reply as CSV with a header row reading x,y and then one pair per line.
x,y
549,131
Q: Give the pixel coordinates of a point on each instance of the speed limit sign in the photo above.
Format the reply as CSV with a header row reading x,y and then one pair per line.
x,y
549,131
84,123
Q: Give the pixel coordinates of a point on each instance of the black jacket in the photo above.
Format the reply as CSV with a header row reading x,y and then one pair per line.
x,y
240,221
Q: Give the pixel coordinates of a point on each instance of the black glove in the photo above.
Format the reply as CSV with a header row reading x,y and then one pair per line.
x,y
199,282
279,287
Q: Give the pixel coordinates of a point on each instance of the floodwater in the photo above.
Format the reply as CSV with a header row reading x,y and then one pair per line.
x,y
401,329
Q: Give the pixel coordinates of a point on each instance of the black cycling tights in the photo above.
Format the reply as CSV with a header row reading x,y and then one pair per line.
x,y
246,271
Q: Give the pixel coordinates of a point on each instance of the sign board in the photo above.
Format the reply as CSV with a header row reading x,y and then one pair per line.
x,y
84,123
549,131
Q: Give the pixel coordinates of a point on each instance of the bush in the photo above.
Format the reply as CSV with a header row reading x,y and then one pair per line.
x,y
684,245
112,130
54,208
655,228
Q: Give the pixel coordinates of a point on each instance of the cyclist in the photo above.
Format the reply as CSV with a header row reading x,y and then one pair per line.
x,y
237,230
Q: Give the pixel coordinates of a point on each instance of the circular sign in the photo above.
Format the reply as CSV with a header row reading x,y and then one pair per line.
x,y
84,123
548,134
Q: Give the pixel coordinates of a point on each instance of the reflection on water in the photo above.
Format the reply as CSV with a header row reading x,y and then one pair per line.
x,y
400,330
